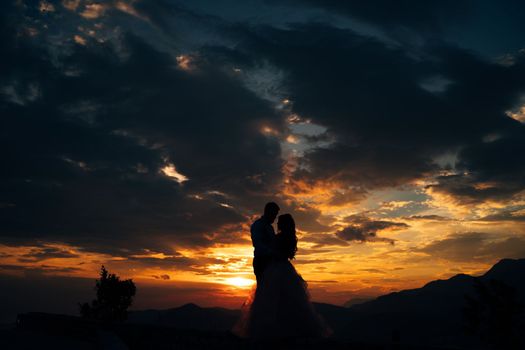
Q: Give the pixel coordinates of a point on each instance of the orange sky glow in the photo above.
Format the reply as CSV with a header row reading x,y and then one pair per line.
x,y
335,273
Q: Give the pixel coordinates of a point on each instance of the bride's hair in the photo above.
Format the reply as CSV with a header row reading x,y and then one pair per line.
x,y
287,238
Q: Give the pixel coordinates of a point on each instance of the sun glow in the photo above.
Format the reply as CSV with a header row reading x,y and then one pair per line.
x,y
239,282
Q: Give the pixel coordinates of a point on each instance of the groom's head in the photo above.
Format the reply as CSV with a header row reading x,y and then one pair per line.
x,y
271,209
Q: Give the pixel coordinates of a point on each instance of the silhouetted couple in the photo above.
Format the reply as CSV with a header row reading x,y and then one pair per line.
x,y
280,306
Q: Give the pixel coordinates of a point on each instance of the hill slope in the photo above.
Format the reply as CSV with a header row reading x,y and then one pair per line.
x,y
432,314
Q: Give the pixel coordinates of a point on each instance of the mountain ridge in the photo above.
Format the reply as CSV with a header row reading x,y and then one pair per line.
x,y
432,314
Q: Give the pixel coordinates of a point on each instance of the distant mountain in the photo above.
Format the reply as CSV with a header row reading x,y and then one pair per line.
x,y
432,314
429,315
436,295
441,296
510,271
189,316
356,301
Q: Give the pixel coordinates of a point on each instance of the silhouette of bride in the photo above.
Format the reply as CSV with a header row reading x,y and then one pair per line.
x,y
280,306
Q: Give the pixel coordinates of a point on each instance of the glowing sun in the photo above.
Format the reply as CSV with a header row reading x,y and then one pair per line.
x,y
240,282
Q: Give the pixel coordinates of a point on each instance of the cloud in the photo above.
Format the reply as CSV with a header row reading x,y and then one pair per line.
x,y
353,195
431,217
320,241
39,254
86,160
42,269
412,15
516,214
475,246
161,277
363,229
307,218
487,171
165,262
387,130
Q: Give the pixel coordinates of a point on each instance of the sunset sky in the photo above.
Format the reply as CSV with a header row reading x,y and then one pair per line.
x,y
146,135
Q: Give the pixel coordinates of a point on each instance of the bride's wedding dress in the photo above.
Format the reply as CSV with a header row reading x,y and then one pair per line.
x,y
280,306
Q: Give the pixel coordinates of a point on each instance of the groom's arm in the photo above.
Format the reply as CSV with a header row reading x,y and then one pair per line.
x,y
259,234
256,235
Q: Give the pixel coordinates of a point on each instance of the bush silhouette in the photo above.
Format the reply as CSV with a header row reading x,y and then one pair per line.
x,y
113,298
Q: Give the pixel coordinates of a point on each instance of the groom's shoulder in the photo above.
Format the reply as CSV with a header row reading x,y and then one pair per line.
x,y
257,223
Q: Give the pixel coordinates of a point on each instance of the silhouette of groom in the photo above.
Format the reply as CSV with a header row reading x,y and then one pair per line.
x,y
263,239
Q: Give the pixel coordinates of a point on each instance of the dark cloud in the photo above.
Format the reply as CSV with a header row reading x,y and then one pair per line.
x,y
470,24
353,195
306,218
492,170
321,241
169,262
507,214
363,229
401,16
428,217
161,277
359,229
39,254
84,155
476,246
42,269
467,189
387,126
357,233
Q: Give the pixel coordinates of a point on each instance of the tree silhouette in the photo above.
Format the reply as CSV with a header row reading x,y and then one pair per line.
x,y
493,314
113,298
